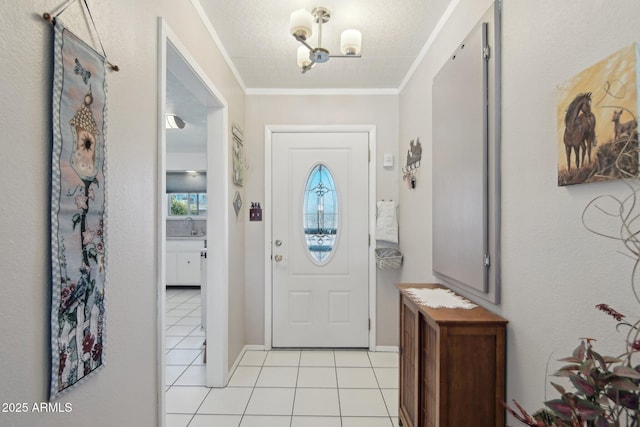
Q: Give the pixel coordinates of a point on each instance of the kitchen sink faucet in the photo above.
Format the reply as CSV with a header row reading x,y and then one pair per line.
x,y
193,229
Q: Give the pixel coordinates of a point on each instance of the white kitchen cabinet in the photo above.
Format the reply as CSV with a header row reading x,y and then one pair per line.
x,y
183,262
171,271
189,268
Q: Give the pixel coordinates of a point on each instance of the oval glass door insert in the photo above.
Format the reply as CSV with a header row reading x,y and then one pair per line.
x,y
320,214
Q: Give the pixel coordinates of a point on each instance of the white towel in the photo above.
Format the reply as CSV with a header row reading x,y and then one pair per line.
x,y
387,222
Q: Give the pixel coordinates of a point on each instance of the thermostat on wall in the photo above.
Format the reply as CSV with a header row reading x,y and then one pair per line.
x,y
387,160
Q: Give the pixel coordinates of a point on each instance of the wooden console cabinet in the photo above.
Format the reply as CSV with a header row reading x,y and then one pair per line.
x,y
452,365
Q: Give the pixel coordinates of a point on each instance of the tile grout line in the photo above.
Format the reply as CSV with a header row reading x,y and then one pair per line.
x,y
295,389
177,307
380,389
375,375
192,417
199,406
171,349
253,389
335,369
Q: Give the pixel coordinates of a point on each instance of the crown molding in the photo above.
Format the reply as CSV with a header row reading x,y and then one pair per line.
x,y
207,23
432,37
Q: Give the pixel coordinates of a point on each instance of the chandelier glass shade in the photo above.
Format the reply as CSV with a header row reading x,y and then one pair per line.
x,y
301,28
350,42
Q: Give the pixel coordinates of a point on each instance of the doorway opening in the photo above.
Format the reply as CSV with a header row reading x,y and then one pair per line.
x,y
182,84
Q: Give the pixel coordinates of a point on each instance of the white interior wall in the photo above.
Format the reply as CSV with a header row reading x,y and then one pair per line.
x,y
125,391
554,271
379,110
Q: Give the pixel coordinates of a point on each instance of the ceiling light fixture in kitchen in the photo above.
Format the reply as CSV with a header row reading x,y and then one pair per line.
x,y
174,122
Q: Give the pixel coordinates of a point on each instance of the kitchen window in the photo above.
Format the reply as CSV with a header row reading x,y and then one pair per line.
x,y
187,204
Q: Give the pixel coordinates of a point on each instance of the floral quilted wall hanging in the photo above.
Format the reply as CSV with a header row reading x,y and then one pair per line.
x,y
78,212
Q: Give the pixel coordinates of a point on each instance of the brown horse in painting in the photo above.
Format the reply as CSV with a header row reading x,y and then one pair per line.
x,y
579,130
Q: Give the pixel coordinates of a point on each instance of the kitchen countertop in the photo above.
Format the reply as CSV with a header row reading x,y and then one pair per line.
x,y
187,237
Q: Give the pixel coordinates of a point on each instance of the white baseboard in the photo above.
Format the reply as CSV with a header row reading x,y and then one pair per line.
x,y
387,348
253,347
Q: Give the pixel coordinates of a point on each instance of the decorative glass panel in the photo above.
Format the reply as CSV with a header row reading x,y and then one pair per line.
x,y
320,214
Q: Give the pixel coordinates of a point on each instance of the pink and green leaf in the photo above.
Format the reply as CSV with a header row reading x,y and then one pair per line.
x,y
567,370
588,410
587,367
558,387
582,385
626,371
561,408
623,384
580,351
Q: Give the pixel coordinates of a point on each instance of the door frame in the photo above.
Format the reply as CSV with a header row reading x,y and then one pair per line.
x,y
268,279
217,328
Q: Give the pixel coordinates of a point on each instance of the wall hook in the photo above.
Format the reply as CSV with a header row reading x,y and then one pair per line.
x,y
414,155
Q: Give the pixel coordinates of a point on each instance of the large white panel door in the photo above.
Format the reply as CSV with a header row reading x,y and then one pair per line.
x,y
320,239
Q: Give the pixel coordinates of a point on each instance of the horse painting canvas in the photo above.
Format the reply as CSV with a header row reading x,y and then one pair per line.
x,y
597,121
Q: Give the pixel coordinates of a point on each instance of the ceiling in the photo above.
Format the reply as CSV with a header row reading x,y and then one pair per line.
x,y
255,38
182,102
255,35
186,98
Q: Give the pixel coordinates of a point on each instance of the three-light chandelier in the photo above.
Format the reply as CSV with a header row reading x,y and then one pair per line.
x,y
301,29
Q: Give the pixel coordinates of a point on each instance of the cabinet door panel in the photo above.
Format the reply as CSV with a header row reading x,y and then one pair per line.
x,y
429,362
468,371
409,364
189,267
171,271
183,262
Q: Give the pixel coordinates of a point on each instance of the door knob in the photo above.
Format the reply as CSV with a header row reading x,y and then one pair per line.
x,y
278,258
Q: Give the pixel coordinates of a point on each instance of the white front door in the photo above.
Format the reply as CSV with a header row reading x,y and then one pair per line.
x,y
320,239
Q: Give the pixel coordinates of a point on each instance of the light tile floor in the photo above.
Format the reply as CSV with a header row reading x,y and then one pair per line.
x,y
278,388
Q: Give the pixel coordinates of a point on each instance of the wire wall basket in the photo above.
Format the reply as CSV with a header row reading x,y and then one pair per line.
x,y
388,258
